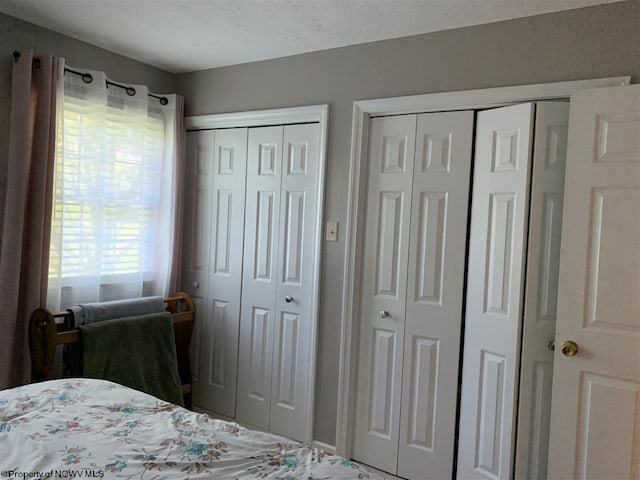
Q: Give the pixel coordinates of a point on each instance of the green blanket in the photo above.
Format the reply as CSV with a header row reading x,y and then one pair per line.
x,y
139,352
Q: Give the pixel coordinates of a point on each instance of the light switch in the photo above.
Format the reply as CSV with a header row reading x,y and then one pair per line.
x,y
332,231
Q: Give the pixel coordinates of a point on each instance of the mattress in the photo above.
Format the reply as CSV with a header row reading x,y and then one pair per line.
x,y
86,428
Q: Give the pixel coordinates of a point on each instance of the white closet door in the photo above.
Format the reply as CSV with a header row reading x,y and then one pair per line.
x,y
195,251
260,275
435,294
220,343
541,297
596,393
293,347
499,218
384,288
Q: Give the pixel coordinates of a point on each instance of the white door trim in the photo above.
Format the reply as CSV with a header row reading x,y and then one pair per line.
x,y
287,116
362,112
260,118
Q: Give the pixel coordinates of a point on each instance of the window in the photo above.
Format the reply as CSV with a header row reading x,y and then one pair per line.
x,y
113,195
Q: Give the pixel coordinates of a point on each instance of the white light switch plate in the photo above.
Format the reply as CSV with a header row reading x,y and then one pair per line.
x,y
332,231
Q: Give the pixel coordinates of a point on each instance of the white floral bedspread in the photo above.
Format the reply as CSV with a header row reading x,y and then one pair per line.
x,y
85,428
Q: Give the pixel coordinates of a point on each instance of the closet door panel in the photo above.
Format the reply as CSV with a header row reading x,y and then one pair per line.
x,y
199,169
435,284
260,275
220,345
197,211
499,218
290,402
541,297
384,289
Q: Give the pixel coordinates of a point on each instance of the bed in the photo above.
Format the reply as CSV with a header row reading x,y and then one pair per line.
x,y
89,428
92,428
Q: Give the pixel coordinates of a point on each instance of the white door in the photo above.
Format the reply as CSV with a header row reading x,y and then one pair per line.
x,y
384,289
411,306
276,338
220,347
595,429
259,282
195,251
541,295
212,259
499,218
295,276
436,268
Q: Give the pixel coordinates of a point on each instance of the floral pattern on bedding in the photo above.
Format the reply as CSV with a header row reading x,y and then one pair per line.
x,y
97,426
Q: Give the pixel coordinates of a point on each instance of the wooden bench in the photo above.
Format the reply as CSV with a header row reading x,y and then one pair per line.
x,y
47,330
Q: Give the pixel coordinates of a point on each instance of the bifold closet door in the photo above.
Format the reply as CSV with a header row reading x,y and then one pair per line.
x,y
225,269
541,291
499,219
384,288
259,278
293,379
278,280
411,306
217,208
436,268
195,251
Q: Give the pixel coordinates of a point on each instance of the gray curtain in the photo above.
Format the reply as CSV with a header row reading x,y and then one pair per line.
x,y
174,281
26,228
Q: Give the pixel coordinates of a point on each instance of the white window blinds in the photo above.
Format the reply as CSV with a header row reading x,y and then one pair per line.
x,y
114,193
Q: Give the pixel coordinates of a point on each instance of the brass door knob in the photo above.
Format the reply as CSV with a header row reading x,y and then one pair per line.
x,y
569,348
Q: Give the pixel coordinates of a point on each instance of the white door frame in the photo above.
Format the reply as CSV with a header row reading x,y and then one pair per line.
x,y
356,207
288,116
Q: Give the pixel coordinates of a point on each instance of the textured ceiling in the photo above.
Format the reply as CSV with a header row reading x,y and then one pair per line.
x,y
188,35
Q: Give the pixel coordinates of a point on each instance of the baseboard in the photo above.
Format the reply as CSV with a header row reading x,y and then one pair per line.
x,y
315,444
323,446
218,416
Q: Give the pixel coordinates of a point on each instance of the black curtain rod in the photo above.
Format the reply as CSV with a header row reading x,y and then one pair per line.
x,y
88,78
35,63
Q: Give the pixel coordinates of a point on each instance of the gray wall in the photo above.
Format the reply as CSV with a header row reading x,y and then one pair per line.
x,y
580,44
18,35
587,43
